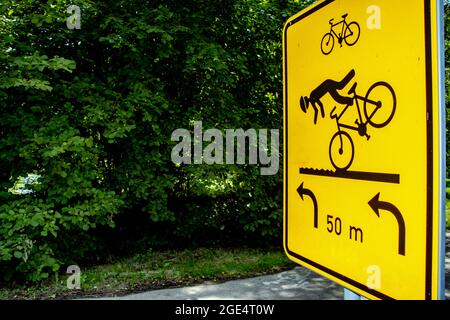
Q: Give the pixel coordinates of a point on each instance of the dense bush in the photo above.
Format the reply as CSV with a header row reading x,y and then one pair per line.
x,y
91,112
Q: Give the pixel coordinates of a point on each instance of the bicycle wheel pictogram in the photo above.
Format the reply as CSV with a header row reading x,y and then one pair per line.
x,y
351,35
327,44
379,104
341,150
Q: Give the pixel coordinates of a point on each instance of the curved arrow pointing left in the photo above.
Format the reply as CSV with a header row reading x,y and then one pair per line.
x,y
376,205
306,192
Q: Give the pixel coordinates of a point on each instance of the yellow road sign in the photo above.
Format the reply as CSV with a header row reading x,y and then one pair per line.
x,y
362,124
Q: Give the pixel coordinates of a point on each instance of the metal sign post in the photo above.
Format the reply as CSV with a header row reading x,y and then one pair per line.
x,y
442,145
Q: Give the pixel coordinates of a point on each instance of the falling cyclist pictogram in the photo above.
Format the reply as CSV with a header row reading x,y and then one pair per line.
x,y
377,110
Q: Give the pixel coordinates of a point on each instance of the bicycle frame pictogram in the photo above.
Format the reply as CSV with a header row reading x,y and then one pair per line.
x,y
345,146
349,34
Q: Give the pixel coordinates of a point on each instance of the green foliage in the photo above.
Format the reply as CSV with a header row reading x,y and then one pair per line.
x,y
91,111
447,214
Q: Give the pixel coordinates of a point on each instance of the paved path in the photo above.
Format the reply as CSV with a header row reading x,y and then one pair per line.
x,y
296,284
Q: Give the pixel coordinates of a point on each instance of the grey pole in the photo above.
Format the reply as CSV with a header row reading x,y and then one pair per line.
x,y
442,147
350,295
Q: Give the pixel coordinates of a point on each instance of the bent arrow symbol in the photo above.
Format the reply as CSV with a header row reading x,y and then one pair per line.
x,y
303,191
376,205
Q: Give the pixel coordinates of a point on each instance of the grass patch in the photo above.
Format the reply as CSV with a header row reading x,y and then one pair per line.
x,y
155,270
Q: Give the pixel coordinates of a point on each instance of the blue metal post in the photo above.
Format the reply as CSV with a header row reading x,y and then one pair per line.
x,y
350,295
442,146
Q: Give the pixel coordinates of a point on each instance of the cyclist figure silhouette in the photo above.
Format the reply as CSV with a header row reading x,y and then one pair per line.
x,y
331,87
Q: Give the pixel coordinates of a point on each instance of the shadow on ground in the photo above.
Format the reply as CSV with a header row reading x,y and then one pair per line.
x,y
297,284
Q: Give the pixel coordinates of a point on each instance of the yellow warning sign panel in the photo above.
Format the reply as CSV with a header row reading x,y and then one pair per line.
x,y
361,173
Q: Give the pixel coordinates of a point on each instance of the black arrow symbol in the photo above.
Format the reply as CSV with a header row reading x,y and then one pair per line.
x,y
306,192
376,204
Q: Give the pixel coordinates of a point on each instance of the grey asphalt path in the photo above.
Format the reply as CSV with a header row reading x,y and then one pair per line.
x,y
297,284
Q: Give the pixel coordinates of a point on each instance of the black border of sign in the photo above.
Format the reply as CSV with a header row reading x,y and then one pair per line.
x,y
429,117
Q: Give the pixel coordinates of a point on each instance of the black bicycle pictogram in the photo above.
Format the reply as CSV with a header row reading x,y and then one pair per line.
x,y
349,33
379,108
